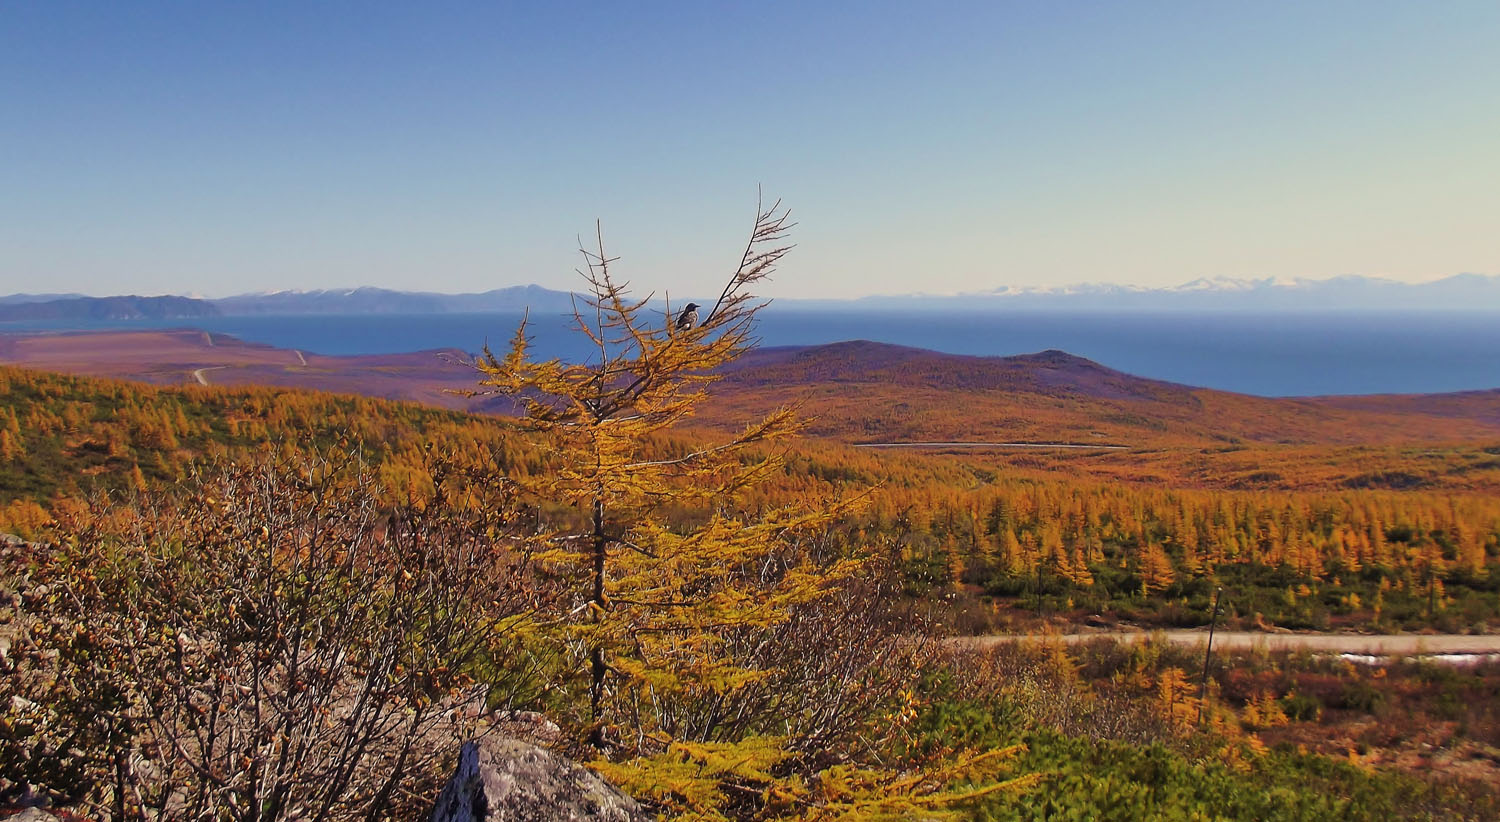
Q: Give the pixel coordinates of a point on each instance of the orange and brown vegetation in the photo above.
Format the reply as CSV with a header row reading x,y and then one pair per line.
x,y
687,665
1313,536
268,641
1122,733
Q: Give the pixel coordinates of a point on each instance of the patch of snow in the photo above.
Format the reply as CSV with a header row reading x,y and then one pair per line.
x,y
1441,659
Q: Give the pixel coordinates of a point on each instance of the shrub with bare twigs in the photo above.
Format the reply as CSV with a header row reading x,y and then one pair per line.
x,y
271,642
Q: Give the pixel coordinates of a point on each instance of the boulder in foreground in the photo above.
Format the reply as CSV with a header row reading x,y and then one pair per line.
x,y
502,779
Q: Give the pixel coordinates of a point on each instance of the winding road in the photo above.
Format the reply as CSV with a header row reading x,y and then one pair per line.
x,y
199,372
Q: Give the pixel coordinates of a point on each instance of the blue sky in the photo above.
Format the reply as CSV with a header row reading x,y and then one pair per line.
x,y
217,148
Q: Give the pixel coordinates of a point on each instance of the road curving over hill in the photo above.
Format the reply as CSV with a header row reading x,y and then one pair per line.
x,y
200,374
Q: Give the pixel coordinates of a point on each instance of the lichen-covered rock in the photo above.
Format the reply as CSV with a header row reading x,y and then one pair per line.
x,y
34,815
527,726
501,779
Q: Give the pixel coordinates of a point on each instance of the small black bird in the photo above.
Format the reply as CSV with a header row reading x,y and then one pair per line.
x,y
688,318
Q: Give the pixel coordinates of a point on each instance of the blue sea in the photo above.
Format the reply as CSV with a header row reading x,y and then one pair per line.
x,y
1267,354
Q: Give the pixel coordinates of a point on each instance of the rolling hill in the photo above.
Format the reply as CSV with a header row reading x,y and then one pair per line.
x,y
186,356
861,392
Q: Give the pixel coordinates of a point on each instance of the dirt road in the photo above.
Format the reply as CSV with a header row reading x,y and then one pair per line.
x,y
948,445
198,373
1377,645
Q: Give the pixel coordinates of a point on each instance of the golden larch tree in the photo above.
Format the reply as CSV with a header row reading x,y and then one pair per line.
x,y
669,565
654,595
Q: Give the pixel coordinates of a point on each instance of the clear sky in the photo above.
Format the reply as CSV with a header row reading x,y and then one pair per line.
x,y
218,148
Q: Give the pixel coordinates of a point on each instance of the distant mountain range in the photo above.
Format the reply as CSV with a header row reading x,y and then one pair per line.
x,y
12,299
369,300
105,308
282,303
1350,293
1463,292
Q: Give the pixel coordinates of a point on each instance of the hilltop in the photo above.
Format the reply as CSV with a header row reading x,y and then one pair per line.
x,y
865,391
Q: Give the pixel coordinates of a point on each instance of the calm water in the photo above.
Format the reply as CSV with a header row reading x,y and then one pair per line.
x,y
1272,355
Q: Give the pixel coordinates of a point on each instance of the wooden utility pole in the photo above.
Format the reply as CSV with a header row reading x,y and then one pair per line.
x,y
1213,622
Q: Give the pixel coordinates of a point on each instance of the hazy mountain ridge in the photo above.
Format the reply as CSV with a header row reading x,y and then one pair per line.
x,y
370,300
16,299
1461,292
1465,292
130,307
365,300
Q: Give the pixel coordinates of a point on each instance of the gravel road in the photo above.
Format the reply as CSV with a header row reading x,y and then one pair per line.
x,y
1374,644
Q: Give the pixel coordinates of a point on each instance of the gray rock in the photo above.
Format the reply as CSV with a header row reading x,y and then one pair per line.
x,y
527,726
32,815
501,779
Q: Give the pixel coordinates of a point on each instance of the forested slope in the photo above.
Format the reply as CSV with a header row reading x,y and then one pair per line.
x,y
1031,535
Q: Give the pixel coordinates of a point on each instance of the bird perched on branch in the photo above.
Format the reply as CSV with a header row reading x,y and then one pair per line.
x,y
688,318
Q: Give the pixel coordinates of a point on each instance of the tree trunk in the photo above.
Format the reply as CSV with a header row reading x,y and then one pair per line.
x,y
596,654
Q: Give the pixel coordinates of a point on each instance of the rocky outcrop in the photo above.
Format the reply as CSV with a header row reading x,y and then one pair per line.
x,y
502,779
30,815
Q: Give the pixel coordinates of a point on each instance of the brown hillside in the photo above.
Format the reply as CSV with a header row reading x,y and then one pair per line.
x,y
871,392
182,357
857,391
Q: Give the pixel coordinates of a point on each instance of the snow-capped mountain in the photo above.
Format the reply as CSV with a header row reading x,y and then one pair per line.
x,y
1462,292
